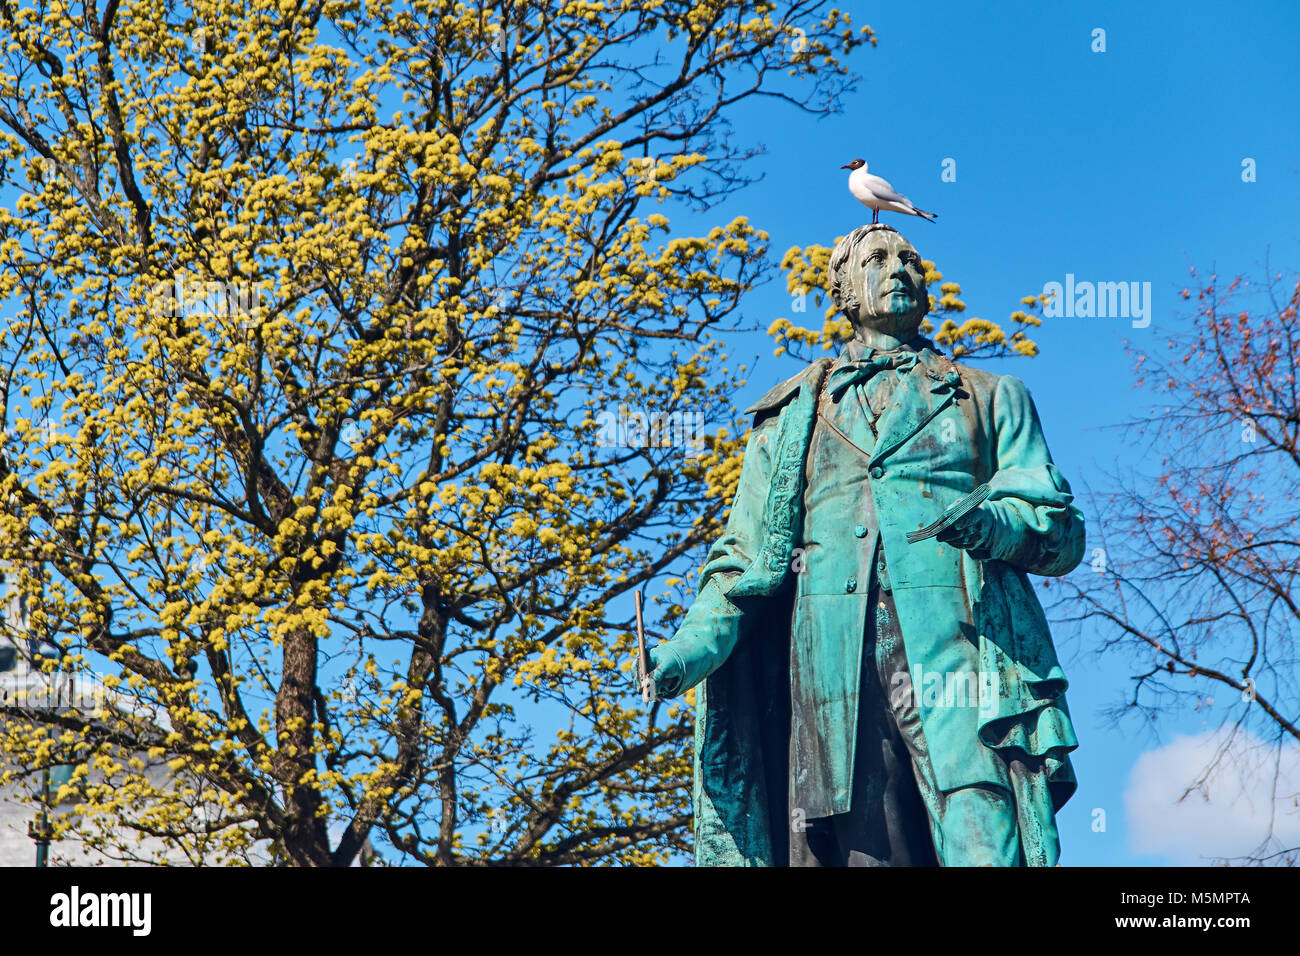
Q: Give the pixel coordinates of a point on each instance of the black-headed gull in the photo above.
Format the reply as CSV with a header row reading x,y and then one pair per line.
x,y
876,194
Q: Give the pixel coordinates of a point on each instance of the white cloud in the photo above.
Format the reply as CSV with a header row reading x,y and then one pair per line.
x,y
1228,814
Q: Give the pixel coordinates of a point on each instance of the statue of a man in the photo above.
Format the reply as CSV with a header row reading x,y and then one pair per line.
x,y
863,700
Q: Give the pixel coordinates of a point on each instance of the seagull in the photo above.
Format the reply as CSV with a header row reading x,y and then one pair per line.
x,y
876,194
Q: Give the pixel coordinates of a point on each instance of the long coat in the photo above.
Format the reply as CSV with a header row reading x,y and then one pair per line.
x,y
949,428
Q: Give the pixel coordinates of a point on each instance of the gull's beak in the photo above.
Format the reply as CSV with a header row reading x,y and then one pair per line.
x,y
846,166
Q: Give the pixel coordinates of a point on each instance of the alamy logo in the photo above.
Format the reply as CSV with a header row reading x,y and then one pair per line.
x,y
934,689
58,691
74,909
635,428
189,298
1116,300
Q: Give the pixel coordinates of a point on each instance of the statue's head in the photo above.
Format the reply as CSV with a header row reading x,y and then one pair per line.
x,y
878,282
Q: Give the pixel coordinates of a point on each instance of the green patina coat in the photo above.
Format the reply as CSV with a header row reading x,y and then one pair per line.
x,y
948,429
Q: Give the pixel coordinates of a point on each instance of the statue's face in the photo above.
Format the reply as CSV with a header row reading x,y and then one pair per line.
x,y
888,281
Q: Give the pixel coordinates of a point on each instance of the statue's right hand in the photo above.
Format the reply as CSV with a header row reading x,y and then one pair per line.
x,y
665,673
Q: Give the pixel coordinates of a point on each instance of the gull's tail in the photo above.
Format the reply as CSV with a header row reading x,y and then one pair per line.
x,y
927,216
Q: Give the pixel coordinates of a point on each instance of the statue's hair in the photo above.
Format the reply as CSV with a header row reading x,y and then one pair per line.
x,y
837,274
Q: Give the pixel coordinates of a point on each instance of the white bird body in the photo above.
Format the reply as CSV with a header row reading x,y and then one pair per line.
x,y
877,195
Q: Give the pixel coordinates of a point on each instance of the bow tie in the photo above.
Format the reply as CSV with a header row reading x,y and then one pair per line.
x,y
862,369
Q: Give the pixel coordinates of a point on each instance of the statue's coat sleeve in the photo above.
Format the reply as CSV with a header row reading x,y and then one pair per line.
x,y
1036,526
712,626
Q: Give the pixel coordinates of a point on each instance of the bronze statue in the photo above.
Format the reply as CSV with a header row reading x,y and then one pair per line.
x,y
865,697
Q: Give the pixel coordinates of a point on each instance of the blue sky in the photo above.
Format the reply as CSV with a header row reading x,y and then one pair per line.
x,y
1124,165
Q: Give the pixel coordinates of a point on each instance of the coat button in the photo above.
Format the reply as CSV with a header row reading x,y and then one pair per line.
x,y
851,585
877,471
860,531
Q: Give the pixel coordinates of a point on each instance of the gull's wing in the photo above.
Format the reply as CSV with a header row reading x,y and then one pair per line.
x,y
885,192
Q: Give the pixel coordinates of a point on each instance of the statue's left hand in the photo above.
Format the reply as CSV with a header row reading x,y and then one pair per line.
x,y
971,532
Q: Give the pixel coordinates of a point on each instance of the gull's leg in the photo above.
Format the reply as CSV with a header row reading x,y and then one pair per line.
x,y
875,216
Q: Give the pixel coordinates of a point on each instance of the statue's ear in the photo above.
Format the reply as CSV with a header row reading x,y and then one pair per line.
x,y
848,304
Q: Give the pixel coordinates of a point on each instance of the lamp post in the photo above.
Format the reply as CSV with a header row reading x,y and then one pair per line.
x,y
39,830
